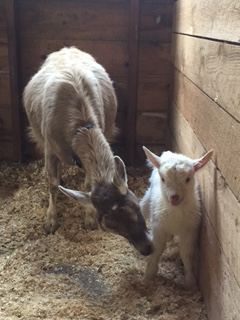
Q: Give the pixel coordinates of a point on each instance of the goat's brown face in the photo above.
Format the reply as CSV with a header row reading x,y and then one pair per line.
x,y
120,213
117,208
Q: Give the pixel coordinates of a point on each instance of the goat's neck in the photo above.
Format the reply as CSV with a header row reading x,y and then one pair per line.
x,y
95,155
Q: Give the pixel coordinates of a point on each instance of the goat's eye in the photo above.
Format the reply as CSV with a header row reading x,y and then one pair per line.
x,y
187,180
162,179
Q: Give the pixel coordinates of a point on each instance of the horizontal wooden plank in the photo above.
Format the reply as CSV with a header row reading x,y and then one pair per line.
x,y
212,66
215,128
5,100
153,94
4,65
34,52
216,19
155,22
151,127
154,59
220,203
6,141
73,20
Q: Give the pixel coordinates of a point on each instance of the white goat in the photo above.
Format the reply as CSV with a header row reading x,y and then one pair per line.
x,y
71,106
173,204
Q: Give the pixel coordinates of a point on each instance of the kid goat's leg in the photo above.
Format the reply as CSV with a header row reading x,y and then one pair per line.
x,y
187,250
52,167
159,244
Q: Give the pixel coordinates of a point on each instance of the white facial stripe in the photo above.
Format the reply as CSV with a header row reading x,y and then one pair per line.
x,y
115,206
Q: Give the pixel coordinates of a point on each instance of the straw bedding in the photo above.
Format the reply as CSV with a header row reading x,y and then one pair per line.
x,y
75,273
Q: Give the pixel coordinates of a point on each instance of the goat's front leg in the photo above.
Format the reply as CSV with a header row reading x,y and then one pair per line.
x,y
159,244
53,168
188,244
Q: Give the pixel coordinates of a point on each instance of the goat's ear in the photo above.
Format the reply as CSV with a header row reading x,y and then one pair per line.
x,y
199,163
152,158
120,177
83,198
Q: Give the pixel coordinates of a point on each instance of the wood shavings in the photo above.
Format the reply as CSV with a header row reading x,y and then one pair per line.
x,y
78,274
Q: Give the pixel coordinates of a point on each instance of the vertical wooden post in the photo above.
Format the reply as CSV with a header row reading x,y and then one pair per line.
x,y
132,79
10,7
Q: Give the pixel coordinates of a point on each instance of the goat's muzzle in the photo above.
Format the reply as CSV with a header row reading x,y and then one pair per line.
x,y
143,244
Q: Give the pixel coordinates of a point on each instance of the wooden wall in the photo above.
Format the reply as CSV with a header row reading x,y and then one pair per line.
x,y
204,115
130,38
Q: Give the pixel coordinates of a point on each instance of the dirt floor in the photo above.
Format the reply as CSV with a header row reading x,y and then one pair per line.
x,y
78,274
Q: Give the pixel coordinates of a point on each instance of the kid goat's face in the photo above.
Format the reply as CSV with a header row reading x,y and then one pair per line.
x,y
176,172
177,181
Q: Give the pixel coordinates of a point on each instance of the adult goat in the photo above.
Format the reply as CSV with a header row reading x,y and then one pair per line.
x,y
71,107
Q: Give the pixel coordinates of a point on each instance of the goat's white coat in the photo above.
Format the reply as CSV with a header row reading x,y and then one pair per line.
x,y
173,204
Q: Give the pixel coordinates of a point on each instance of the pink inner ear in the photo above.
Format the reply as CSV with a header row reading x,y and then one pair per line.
x,y
153,158
204,160
198,165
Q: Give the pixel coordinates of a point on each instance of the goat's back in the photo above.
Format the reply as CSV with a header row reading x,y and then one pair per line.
x,y
69,90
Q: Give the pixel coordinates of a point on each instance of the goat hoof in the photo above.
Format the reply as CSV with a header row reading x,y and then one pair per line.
x,y
51,226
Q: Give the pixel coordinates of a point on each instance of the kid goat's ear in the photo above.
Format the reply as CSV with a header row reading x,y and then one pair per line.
x,y
199,163
153,158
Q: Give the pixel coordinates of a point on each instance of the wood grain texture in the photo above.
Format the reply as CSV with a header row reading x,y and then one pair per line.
x,y
213,66
215,128
216,19
13,56
6,141
73,20
5,100
154,59
133,56
34,52
3,29
151,127
153,93
220,203
4,64
220,289
155,22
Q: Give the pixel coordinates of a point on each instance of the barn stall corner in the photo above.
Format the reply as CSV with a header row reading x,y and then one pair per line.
x,y
175,66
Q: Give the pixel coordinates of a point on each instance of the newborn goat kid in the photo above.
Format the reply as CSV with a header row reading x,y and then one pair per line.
x,y
173,203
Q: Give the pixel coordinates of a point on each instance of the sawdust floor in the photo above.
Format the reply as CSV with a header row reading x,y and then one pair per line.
x,y
78,274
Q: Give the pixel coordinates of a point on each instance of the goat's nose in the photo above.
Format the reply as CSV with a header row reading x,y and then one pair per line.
x,y
175,197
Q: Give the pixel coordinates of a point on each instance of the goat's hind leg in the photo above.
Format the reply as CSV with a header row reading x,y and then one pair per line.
x,y
53,169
